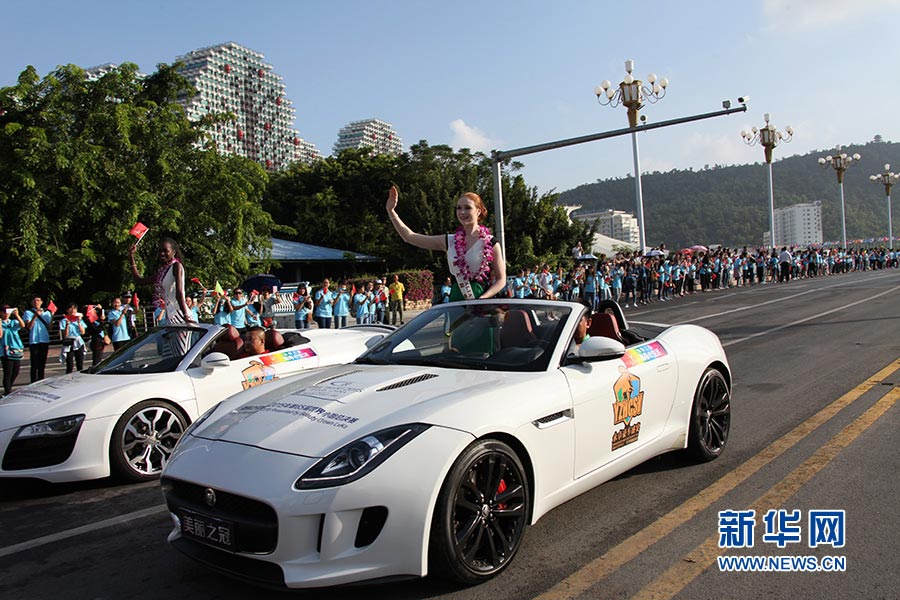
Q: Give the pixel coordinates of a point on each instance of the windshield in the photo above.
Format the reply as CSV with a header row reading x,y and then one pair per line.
x,y
490,337
157,351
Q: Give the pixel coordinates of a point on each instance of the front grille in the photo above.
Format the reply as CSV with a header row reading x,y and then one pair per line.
x,y
255,522
406,382
34,453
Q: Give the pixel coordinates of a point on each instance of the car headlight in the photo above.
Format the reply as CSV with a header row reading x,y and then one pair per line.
x,y
358,458
51,428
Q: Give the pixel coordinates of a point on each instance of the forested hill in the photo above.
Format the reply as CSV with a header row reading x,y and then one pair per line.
x,y
730,206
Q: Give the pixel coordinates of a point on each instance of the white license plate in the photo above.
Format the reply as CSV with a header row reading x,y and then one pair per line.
x,y
209,530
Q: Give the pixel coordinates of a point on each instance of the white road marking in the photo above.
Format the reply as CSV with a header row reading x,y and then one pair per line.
x,y
62,535
816,316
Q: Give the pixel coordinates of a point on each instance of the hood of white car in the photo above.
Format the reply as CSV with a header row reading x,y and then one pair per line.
x,y
313,415
75,393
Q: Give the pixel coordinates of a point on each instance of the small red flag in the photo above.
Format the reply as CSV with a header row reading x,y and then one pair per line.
x,y
353,290
135,301
51,307
139,231
72,318
91,313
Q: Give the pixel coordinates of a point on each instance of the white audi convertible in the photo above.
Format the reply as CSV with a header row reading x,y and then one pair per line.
x,y
434,450
125,415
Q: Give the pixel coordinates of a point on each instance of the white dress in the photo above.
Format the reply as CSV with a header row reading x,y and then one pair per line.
x,y
169,295
474,255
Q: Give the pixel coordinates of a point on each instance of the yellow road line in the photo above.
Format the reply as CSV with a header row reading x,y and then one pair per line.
x,y
692,565
626,551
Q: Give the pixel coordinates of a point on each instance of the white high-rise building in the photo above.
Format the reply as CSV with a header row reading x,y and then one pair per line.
x,y
616,224
372,133
232,78
797,225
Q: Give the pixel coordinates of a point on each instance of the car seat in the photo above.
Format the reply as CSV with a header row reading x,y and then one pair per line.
x,y
229,343
604,324
273,339
516,331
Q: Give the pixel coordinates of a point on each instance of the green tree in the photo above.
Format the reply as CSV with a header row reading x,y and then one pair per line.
x,y
339,202
82,161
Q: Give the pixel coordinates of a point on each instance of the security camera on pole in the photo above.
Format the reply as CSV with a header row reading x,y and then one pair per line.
x,y
768,137
888,179
840,162
631,93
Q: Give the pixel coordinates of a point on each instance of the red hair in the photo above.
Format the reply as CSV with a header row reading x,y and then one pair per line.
x,y
478,202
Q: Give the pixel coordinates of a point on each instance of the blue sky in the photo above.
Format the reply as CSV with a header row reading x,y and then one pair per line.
x,y
507,74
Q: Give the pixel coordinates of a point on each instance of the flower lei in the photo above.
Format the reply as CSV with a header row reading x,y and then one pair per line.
x,y
487,255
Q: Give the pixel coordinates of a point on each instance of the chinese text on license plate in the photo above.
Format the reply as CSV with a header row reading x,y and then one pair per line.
x,y
207,529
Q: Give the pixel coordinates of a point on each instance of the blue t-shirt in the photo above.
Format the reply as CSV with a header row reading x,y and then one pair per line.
x,y
301,313
11,340
445,293
238,313
118,333
40,331
324,309
361,303
342,304
252,316
221,317
71,330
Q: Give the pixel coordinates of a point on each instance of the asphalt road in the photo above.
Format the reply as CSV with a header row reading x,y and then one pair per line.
x,y
816,366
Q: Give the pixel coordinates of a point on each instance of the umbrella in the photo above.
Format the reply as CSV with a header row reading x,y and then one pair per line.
x,y
586,257
655,252
686,251
699,248
260,281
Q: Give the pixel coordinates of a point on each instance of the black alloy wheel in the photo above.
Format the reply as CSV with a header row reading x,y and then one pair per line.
x,y
710,416
481,514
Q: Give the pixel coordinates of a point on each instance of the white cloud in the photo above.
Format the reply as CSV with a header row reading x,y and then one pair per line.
x,y
469,136
787,15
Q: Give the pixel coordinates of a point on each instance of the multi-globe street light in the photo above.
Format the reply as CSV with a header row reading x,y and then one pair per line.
x,y
888,179
840,162
768,137
631,93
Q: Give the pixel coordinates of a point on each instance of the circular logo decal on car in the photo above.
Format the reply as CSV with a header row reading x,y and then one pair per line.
x,y
210,497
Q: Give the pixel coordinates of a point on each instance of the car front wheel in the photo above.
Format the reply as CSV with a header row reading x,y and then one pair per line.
x,y
710,416
481,514
144,438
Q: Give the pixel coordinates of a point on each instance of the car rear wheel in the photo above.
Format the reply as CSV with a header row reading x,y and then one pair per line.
x,y
481,514
143,440
710,416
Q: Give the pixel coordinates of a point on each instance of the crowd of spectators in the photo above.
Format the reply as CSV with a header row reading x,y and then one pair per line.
x,y
628,278
634,280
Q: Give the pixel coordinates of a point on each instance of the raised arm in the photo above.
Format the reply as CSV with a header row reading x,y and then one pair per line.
x,y
139,279
428,242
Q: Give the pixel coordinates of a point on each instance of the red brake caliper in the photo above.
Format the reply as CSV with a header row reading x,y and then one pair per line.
x,y
500,489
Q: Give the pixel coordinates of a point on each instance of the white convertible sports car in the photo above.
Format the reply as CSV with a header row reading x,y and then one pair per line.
x,y
126,414
435,449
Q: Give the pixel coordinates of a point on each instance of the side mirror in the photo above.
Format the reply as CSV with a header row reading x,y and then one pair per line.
x,y
213,361
599,348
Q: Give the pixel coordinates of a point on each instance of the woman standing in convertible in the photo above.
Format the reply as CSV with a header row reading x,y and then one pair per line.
x,y
474,257
168,282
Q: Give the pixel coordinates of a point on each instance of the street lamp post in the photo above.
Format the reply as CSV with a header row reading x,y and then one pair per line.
x,y
768,137
631,93
840,162
888,179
